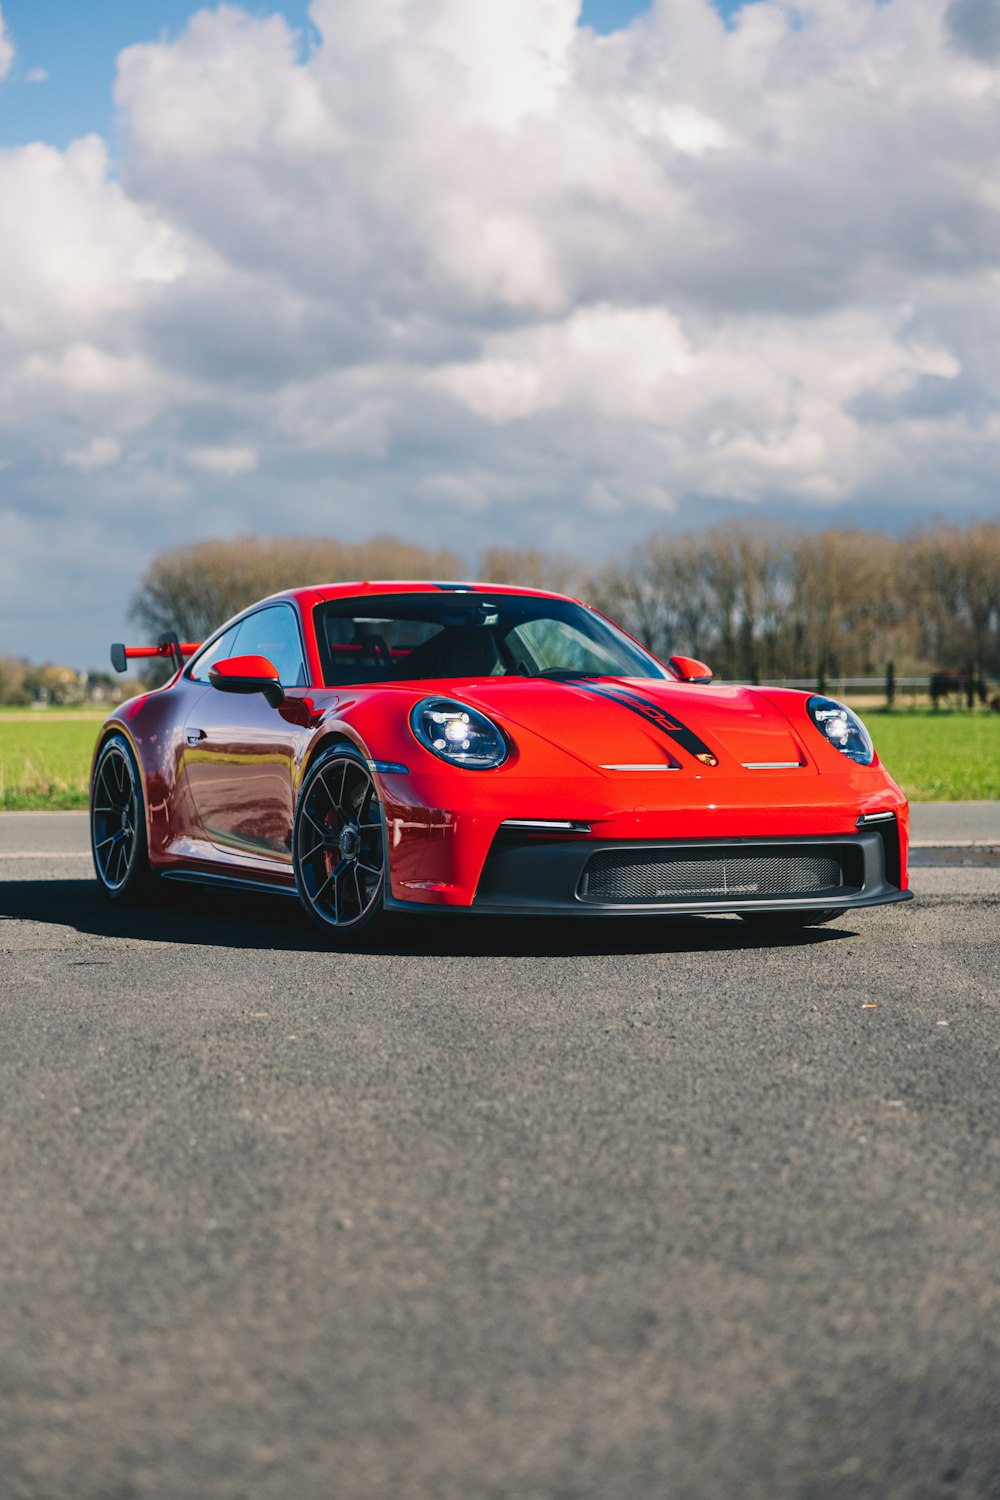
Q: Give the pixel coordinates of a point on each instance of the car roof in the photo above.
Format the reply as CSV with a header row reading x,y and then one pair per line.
x,y
320,593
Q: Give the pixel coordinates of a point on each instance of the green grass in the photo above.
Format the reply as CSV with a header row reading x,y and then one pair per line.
x,y
52,711
45,758
943,757
940,757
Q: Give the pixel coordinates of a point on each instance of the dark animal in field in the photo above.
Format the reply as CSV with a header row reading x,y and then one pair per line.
x,y
947,684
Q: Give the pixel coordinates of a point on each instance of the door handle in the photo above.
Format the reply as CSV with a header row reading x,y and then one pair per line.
x,y
194,735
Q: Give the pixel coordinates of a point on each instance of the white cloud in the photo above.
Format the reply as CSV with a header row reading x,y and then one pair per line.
x,y
751,410
479,274
225,461
76,251
36,75
97,454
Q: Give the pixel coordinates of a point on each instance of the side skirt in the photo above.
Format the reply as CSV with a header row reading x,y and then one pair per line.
x,y
228,882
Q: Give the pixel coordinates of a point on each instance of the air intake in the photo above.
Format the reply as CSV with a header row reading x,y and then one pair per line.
x,y
722,875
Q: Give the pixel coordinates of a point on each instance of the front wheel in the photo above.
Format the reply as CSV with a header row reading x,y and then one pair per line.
x,y
338,845
778,919
118,823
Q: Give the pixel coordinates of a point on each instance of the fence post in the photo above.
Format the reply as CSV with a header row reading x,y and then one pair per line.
x,y
890,684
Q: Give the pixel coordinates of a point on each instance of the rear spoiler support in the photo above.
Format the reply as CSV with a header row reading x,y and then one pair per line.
x,y
167,648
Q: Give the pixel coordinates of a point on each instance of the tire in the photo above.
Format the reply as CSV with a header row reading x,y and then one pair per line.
x,y
788,919
118,840
338,845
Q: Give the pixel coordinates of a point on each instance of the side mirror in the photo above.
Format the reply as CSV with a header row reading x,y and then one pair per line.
x,y
688,669
248,674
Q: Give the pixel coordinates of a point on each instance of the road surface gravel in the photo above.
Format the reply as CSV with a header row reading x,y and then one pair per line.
x,y
498,1210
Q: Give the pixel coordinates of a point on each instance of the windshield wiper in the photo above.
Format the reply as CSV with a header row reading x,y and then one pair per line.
x,y
563,674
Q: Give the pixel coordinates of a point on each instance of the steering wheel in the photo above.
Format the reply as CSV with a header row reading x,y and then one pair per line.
x,y
375,647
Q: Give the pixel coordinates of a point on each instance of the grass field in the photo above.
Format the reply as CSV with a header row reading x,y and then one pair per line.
x,y
45,757
943,757
940,757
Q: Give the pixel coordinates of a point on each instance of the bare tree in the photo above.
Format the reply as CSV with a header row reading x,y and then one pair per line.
x,y
13,686
532,569
757,601
955,595
194,589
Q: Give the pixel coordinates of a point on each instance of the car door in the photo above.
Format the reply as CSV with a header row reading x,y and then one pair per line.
x,y
240,752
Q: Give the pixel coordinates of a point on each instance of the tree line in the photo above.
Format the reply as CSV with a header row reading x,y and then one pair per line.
x,y
23,683
759,602
755,600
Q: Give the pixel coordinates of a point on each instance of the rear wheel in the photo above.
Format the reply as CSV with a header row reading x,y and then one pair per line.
x,y
778,919
338,845
118,823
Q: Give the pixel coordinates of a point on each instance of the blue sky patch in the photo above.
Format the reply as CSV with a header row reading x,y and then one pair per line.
x,y
75,46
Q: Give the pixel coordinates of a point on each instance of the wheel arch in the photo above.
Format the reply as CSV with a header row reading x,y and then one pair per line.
x,y
328,740
109,728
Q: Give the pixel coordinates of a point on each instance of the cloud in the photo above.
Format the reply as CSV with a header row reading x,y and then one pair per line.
x,y
6,48
479,274
225,461
77,254
97,454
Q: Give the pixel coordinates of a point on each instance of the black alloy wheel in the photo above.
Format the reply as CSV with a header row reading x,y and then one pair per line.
x,y
338,844
118,823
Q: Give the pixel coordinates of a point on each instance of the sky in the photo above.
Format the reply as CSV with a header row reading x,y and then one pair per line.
x,y
484,275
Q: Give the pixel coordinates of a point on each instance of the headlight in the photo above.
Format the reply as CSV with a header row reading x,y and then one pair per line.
x,y
842,728
458,734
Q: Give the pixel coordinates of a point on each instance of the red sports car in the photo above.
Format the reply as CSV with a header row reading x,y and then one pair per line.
x,y
430,747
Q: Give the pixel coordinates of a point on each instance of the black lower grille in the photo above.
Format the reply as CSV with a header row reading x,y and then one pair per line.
x,y
655,875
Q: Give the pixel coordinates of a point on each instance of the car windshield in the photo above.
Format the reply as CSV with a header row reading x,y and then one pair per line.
x,y
410,637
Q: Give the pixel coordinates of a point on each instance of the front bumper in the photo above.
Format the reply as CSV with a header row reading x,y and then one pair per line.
x,y
445,833
588,877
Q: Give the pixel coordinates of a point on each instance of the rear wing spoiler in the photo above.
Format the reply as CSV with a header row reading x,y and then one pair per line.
x,y
168,648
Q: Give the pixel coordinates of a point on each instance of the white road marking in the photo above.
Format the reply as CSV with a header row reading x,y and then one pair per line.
x,y
48,854
954,844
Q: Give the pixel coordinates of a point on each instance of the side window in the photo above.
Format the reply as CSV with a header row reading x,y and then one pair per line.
x,y
274,633
218,651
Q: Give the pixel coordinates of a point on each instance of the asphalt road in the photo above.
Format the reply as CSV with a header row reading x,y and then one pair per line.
x,y
495,1210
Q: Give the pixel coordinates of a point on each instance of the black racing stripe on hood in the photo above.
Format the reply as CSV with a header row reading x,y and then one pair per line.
x,y
653,712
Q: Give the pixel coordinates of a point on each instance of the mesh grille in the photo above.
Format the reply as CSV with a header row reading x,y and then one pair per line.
x,y
721,876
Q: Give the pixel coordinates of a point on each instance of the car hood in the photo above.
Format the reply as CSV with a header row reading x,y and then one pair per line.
x,y
626,723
